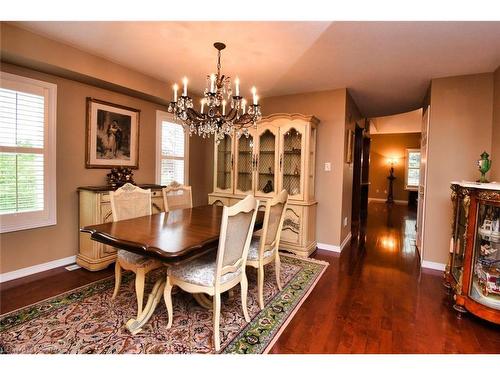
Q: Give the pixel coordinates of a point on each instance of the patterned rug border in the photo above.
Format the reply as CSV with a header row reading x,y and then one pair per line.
x,y
57,301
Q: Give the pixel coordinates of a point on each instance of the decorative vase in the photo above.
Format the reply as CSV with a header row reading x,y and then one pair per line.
x,y
484,165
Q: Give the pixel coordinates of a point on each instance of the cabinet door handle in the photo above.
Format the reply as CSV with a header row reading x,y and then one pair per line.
x,y
281,162
253,162
256,161
232,162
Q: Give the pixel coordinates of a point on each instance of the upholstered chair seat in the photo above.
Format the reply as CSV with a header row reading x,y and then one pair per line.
x,y
134,258
253,251
201,271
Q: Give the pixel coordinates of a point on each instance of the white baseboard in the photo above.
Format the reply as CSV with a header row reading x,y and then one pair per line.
x,y
335,248
381,200
328,247
433,265
7,276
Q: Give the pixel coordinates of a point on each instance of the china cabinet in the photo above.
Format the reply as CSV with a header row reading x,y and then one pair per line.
x,y
473,269
95,208
278,154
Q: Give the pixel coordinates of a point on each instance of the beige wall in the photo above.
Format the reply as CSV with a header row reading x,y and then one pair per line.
x,y
460,130
495,147
330,107
382,147
30,247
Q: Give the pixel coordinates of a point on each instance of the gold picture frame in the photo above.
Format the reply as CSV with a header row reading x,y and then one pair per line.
x,y
112,135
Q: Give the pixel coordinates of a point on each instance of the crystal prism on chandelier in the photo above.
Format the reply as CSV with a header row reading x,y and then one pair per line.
x,y
220,112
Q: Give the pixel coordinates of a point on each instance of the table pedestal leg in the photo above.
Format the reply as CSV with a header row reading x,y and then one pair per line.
x,y
134,325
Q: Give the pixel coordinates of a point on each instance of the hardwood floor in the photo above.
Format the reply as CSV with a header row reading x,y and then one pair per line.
x,y
374,298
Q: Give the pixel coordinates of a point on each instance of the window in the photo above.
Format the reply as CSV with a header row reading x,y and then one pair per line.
x,y
172,150
412,173
27,153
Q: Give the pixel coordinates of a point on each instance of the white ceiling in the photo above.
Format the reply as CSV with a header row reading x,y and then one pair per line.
x,y
386,65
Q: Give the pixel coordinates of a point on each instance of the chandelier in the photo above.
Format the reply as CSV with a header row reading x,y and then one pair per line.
x,y
221,113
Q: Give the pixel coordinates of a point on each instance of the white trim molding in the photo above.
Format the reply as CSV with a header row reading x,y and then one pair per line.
x,y
433,265
7,276
335,248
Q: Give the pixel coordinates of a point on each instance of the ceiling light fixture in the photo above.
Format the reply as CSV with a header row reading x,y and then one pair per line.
x,y
220,112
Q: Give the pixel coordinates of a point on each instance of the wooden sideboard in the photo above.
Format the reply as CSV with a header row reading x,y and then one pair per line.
x,y
95,208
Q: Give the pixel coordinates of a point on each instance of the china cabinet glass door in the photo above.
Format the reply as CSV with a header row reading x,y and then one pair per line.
x,y
459,242
291,161
485,279
244,165
224,162
266,158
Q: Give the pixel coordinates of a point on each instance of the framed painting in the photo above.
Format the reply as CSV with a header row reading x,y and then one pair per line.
x,y
112,135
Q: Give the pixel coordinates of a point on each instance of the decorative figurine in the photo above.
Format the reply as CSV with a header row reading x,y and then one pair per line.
x,y
268,187
484,165
120,176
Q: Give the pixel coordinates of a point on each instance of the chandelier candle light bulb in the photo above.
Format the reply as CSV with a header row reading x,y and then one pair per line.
x,y
224,107
185,82
175,87
243,105
254,92
212,82
237,86
202,101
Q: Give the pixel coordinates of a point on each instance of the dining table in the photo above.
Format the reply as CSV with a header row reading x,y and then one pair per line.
x,y
173,237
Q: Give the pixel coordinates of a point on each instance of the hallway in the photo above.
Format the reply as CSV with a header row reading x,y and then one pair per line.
x,y
376,299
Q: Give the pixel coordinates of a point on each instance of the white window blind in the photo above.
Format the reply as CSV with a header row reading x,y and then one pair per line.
x,y
27,153
172,151
412,169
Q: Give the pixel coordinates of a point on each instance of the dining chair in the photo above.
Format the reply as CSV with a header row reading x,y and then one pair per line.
x,y
264,249
177,196
129,202
216,273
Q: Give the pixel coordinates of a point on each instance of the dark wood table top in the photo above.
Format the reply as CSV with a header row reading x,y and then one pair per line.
x,y
171,236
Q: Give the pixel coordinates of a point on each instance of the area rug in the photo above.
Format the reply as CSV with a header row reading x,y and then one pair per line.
x,y
86,320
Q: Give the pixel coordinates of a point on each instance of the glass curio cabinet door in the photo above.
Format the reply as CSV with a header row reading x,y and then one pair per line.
x,y
460,239
266,161
485,272
291,162
245,162
224,160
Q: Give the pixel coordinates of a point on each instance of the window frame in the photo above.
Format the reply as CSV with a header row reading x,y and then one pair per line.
x,y
12,222
408,151
165,116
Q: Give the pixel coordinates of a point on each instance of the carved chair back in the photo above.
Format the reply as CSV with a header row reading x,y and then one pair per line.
x,y
177,196
130,201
